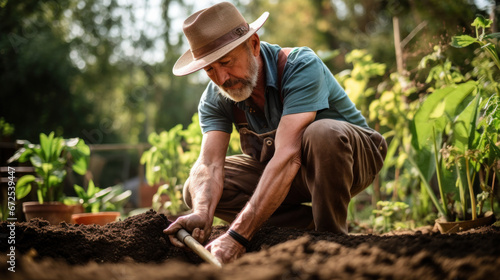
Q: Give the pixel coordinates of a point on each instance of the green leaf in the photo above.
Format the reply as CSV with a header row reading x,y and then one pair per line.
x,y
464,127
95,207
492,36
480,21
462,41
91,189
23,186
17,155
425,117
80,166
47,167
54,181
72,142
121,198
80,192
36,161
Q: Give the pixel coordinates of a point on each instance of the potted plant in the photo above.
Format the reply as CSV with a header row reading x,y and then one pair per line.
x,y
167,164
480,158
101,206
50,159
458,124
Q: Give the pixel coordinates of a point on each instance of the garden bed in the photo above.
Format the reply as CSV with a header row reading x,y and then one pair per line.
x,y
136,248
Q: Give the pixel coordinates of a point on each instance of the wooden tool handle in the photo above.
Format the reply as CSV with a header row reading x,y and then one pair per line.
x,y
187,239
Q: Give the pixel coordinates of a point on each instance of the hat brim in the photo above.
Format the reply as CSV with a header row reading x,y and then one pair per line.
x,y
186,64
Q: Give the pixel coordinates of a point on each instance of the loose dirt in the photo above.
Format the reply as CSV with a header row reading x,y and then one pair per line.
x,y
136,248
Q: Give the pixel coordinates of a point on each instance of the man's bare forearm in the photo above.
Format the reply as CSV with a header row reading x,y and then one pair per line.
x,y
278,175
206,186
271,191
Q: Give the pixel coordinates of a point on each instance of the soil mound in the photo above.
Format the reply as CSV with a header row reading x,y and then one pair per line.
x,y
136,248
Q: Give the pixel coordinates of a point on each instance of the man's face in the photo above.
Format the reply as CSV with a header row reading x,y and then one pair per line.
x,y
236,73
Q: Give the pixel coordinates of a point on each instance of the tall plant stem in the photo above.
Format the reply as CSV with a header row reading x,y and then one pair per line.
x,y
428,188
471,189
492,195
438,174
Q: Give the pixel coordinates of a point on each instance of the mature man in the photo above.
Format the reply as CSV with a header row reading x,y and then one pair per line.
x,y
303,139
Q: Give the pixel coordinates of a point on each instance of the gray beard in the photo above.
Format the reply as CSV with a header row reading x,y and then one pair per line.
x,y
249,83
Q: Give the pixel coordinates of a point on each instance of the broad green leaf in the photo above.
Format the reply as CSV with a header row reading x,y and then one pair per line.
x,y
438,110
80,192
23,186
464,127
45,145
462,41
41,195
492,35
120,198
72,142
54,180
47,167
480,21
80,165
95,207
494,151
83,148
103,193
36,161
18,154
452,97
91,189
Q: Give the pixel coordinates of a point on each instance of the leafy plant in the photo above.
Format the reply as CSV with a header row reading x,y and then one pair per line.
x,y
170,158
96,199
452,115
163,162
483,39
50,159
439,112
6,129
390,215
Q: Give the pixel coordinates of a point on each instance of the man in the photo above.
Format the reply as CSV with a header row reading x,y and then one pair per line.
x,y
303,138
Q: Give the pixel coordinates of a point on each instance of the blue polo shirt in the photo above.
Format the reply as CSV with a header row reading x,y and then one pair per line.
x,y
307,85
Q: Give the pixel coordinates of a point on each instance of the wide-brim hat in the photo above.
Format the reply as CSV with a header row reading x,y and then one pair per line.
x,y
212,33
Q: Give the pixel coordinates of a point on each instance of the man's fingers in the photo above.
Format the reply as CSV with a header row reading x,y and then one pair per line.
x,y
196,233
176,242
172,229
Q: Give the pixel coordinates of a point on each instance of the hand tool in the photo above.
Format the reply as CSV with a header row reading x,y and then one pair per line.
x,y
187,239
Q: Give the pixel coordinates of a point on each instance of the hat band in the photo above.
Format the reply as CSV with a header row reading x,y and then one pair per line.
x,y
225,39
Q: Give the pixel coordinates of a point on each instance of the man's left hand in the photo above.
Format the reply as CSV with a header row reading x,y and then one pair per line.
x,y
226,249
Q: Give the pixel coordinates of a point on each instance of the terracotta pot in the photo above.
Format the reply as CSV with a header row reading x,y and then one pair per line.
x,y
53,212
100,218
452,227
78,208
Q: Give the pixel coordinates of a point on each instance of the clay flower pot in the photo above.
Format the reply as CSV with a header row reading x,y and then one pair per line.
x,y
100,218
54,212
452,227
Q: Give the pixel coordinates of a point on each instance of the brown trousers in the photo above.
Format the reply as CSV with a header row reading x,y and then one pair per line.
x,y
339,160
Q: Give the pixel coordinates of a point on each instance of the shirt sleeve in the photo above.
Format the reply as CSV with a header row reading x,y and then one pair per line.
x,y
215,113
305,83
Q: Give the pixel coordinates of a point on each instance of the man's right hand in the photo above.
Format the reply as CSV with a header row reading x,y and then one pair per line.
x,y
198,224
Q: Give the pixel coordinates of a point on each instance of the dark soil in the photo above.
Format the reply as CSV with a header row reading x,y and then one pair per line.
x,y
136,248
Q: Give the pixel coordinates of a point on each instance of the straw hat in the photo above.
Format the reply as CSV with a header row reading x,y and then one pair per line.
x,y
212,33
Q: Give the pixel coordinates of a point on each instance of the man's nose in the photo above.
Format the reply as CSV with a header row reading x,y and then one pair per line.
x,y
221,76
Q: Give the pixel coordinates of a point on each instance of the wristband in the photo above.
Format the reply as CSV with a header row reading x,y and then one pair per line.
x,y
240,239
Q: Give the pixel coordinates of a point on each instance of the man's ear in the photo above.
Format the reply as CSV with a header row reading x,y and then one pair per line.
x,y
254,43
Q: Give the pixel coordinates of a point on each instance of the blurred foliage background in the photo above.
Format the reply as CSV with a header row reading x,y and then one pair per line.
x,y
101,70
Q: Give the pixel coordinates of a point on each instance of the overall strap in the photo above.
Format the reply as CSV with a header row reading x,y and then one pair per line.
x,y
239,115
282,58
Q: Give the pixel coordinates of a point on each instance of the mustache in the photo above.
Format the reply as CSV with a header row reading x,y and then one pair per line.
x,y
232,82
